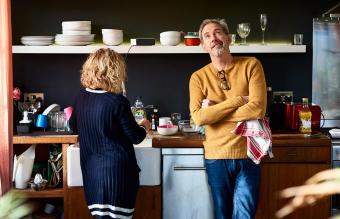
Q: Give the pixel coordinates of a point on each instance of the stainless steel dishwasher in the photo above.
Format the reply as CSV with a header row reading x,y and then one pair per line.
x,y
186,193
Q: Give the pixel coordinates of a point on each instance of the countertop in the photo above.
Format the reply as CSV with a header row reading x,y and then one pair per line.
x,y
280,139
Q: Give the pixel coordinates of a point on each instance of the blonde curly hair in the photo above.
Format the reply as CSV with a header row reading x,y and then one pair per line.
x,y
104,69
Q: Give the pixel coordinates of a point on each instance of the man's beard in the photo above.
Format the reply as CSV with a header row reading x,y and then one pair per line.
x,y
220,49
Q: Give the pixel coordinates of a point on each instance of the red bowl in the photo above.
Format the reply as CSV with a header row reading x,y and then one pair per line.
x,y
192,41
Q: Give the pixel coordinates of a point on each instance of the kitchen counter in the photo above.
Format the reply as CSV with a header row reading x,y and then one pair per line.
x,y
280,138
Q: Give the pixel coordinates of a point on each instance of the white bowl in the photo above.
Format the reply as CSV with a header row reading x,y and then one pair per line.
x,y
170,34
112,35
112,31
112,40
167,129
76,32
76,25
170,41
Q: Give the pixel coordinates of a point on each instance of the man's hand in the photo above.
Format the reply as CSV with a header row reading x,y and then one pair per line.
x,y
245,99
206,103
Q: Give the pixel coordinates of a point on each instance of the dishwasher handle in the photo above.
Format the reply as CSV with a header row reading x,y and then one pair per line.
x,y
179,168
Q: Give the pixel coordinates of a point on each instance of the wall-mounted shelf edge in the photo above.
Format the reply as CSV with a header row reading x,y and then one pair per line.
x,y
157,49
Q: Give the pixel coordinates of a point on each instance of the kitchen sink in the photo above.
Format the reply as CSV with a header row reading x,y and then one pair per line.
x,y
146,143
148,159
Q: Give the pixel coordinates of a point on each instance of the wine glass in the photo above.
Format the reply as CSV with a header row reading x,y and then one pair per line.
x,y
263,22
243,31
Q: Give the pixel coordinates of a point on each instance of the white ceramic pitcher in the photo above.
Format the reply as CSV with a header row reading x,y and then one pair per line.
x,y
23,166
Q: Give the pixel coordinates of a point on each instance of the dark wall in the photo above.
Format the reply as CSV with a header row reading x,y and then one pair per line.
x,y
161,79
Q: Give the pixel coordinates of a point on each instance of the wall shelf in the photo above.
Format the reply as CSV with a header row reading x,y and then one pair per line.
x,y
48,193
157,49
44,139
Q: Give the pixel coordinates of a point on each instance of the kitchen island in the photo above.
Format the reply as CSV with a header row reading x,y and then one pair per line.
x,y
296,158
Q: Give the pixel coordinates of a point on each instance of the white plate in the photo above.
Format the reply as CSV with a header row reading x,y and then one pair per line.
x,y
36,43
76,32
76,25
37,38
66,43
74,38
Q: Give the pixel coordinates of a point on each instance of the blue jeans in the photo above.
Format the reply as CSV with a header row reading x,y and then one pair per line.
x,y
235,188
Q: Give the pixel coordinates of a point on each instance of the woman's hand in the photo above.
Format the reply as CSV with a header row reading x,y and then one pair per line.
x,y
146,124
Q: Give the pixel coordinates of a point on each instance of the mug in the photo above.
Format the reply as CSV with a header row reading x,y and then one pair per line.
x,y
165,121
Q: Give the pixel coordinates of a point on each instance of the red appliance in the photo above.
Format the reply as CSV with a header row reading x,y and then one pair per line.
x,y
292,116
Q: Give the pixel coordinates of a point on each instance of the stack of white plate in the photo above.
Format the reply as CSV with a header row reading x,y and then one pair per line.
x,y
75,33
37,40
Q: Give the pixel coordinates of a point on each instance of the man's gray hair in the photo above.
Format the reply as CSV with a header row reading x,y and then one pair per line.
x,y
220,22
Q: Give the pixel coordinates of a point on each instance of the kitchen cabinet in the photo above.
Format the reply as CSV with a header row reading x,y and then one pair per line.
x,y
65,141
157,49
278,176
148,203
292,166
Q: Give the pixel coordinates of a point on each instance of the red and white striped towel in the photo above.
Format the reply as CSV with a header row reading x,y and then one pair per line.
x,y
259,138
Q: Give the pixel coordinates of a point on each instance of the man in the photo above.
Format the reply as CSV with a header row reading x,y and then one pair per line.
x,y
222,93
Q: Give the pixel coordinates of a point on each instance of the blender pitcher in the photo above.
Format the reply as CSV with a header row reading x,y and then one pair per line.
x,y
23,166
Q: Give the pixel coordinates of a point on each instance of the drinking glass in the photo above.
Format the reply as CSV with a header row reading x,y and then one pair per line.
x,y
243,31
53,117
175,117
60,121
263,23
232,38
182,124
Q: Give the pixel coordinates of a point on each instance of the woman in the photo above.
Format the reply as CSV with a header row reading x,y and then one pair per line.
x,y
107,131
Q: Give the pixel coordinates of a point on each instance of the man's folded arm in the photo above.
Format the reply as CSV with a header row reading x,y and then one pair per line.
x,y
256,106
211,114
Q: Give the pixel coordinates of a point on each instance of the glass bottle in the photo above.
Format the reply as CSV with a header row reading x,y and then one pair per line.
x,y
139,112
305,118
154,119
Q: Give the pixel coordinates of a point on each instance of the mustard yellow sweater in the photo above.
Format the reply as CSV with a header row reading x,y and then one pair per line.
x,y
247,79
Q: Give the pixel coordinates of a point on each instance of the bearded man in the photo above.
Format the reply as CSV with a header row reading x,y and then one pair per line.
x,y
222,93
